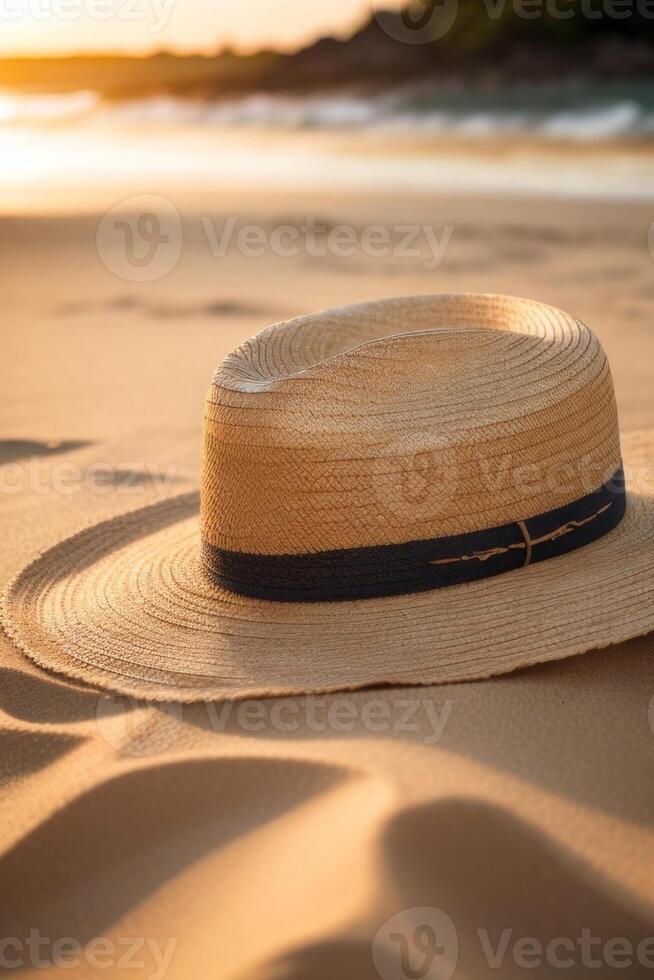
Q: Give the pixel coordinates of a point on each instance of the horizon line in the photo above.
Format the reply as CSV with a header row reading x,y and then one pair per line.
x,y
242,50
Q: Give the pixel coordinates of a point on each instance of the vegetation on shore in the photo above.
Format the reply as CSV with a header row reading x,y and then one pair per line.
x,y
488,41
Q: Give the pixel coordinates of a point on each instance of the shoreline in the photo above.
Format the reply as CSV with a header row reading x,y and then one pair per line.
x,y
592,259
88,169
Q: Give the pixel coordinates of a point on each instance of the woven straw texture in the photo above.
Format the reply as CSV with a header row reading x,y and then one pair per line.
x,y
377,424
402,421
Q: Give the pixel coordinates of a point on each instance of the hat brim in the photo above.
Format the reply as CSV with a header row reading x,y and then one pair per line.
x,y
125,605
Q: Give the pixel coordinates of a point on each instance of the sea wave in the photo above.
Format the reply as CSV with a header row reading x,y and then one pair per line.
x,y
546,115
21,109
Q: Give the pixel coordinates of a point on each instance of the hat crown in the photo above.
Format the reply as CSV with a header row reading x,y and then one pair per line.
x,y
404,420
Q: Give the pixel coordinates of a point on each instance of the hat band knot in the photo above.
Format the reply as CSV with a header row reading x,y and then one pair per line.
x,y
418,566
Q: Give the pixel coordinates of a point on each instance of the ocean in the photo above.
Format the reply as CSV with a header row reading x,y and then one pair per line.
x,y
576,139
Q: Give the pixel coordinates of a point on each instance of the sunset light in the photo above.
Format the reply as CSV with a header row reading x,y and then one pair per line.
x,y
327,489
39,27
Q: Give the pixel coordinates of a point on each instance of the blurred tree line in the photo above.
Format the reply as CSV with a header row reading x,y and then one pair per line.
x,y
479,24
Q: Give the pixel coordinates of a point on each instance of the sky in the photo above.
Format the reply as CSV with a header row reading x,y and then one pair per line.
x,y
34,27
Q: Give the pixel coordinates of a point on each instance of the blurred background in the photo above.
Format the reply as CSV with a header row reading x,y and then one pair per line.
x,y
183,172
437,95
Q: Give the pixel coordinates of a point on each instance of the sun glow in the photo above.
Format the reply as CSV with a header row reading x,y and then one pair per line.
x,y
43,27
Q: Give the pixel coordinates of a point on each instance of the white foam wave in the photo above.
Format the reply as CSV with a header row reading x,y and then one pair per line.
x,y
583,123
19,109
617,118
609,121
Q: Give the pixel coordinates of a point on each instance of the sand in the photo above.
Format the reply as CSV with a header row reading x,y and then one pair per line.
x,y
277,843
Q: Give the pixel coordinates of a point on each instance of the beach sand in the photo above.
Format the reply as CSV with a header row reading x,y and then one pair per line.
x,y
278,847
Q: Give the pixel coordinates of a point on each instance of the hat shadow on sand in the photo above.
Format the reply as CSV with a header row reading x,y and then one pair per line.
x,y
578,727
24,753
44,699
13,450
486,870
121,840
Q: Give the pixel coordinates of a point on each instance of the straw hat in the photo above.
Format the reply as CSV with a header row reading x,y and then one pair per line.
x,y
406,492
